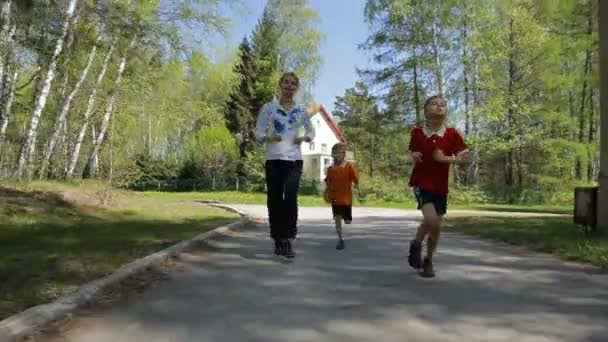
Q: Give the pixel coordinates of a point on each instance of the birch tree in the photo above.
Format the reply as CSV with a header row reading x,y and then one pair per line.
x,y
89,169
41,98
75,153
65,109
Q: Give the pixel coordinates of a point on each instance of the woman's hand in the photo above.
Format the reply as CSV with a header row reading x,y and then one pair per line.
x,y
300,140
273,138
313,109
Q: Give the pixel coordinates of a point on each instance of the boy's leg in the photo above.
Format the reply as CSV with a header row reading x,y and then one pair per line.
x,y
348,214
336,211
338,221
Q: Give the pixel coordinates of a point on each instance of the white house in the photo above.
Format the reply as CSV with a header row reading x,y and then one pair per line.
x,y
317,153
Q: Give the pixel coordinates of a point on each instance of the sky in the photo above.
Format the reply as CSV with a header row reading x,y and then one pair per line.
x,y
344,29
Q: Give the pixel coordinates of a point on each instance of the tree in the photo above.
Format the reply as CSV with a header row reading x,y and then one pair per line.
x,y
239,112
363,122
29,143
299,39
213,151
265,46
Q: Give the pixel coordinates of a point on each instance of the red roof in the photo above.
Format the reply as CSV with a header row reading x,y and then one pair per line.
x,y
334,126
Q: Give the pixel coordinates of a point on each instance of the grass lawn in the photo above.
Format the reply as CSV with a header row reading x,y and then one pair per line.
x,y
555,235
51,245
309,200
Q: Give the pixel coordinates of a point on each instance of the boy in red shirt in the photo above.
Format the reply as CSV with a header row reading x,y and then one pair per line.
x,y
339,180
433,147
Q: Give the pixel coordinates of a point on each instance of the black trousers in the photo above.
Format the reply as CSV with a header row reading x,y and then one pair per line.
x,y
283,183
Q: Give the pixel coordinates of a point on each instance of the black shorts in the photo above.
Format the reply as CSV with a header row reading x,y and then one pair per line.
x,y
440,202
343,210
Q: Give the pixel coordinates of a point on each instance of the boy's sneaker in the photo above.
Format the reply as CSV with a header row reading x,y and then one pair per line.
x,y
340,245
414,259
427,269
288,252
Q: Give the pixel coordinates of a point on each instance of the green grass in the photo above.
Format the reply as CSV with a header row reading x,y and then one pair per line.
x,y
51,246
555,235
311,200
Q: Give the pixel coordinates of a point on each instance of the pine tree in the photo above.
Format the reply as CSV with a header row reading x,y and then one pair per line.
x,y
265,43
239,112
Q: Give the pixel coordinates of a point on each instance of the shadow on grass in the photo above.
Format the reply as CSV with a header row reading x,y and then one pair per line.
x,y
50,247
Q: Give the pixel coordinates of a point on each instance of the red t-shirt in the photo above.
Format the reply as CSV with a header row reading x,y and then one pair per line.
x,y
429,174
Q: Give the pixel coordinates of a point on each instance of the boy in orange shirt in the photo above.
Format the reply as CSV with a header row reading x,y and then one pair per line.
x,y
339,180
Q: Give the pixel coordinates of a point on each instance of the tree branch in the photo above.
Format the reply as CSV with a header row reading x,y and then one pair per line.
x,y
34,76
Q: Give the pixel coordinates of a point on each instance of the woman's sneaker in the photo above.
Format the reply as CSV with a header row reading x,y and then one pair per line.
x,y
279,248
288,252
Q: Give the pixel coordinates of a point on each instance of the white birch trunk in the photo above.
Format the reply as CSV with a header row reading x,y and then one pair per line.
x,y
89,169
73,160
43,94
437,60
5,36
93,138
65,109
5,115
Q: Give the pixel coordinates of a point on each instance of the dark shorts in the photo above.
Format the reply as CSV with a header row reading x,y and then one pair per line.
x,y
343,210
440,202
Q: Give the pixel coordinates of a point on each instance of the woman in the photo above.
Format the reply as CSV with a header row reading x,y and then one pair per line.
x,y
278,126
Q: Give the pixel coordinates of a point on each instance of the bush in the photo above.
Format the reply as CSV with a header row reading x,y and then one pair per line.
x,y
462,195
382,189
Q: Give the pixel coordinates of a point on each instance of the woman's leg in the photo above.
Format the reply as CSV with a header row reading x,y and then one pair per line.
x,y
274,199
292,186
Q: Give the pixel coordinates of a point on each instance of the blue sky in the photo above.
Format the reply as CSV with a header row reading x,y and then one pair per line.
x,y
344,28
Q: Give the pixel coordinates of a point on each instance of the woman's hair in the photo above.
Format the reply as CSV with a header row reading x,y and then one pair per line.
x,y
430,99
289,74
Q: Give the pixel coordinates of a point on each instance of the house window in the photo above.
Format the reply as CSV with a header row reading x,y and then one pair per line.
x,y
312,146
323,148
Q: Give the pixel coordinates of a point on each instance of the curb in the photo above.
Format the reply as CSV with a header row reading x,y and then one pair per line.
x,y
26,322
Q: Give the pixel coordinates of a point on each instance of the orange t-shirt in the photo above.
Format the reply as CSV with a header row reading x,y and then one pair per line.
x,y
339,180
